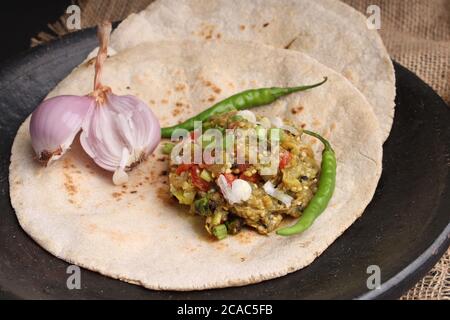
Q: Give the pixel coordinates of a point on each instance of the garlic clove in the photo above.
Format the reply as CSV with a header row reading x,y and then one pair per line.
x,y
119,133
55,123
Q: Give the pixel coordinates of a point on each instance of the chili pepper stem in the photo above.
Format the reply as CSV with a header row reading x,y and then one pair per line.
x,y
320,138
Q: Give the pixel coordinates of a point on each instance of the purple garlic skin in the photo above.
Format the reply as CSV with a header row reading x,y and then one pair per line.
x,y
55,123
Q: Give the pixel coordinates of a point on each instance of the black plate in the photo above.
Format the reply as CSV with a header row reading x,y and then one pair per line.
x,y
404,230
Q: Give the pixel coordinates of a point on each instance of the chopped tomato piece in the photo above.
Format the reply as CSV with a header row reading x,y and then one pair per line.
x,y
183,167
194,135
229,177
285,158
198,182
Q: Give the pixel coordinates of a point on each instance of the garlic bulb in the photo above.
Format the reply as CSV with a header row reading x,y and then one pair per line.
x,y
118,132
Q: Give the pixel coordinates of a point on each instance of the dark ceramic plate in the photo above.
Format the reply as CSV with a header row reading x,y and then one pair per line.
x,y
404,230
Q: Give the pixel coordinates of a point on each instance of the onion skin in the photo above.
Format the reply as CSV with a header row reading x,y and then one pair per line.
x,y
55,123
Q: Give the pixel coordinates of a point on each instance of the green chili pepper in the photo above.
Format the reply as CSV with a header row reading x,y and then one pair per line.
x,y
244,100
325,190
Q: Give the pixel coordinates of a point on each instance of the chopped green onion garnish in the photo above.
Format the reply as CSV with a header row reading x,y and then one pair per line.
x,y
217,217
205,175
183,197
167,148
202,206
220,231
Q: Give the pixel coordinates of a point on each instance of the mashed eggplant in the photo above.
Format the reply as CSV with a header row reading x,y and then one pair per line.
x,y
239,192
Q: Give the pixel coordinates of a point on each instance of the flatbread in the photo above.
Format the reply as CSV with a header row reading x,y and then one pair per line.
x,y
328,30
137,233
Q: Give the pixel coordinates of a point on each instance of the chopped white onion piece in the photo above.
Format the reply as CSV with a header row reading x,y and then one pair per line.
x,y
240,190
224,187
247,115
277,194
269,188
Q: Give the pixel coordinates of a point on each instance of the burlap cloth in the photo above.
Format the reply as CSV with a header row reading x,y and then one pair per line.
x,y
416,33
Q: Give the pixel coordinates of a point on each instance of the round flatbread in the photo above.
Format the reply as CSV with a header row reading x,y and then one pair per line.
x,y
136,232
328,30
